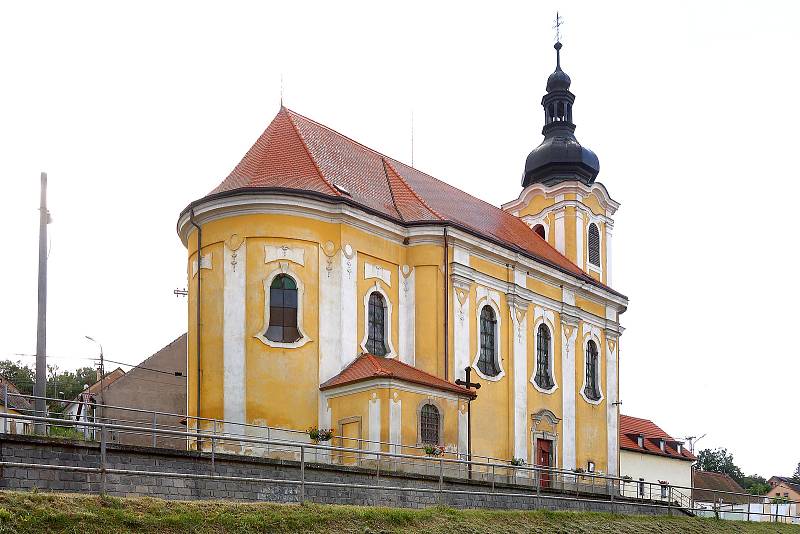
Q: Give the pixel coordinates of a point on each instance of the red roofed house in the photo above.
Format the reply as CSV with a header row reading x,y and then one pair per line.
x,y
316,250
649,453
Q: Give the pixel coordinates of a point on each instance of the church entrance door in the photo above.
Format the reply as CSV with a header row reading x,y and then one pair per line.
x,y
544,458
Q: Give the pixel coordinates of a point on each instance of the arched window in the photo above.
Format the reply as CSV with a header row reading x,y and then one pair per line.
x,y
594,245
376,325
592,391
283,310
543,378
429,419
539,229
487,363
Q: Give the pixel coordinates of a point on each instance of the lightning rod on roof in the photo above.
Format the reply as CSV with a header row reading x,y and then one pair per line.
x,y
281,89
412,137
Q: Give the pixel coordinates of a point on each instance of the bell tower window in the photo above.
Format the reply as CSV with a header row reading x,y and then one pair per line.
x,y
593,243
539,229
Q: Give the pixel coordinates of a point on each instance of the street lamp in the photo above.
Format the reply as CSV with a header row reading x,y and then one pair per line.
x,y
102,372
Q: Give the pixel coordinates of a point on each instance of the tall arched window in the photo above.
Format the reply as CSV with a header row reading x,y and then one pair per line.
x,y
376,325
539,229
283,310
543,378
429,418
594,245
592,391
487,363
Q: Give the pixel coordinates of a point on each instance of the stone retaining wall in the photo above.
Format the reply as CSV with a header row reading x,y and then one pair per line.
x,y
204,485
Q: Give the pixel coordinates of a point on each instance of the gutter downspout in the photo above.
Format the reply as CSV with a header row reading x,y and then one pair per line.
x,y
197,318
446,308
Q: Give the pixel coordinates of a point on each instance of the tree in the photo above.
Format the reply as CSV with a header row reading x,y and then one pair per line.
x,y
18,374
719,461
796,474
60,384
755,485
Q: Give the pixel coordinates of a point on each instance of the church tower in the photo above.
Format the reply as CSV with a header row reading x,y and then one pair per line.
x,y
560,199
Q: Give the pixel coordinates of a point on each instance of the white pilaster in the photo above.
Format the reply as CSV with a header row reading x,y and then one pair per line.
x,y
406,317
579,231
463,431
347,314
560,237
569,332
374,423
330,306
609,257
518,309
233,332
612,388
461,319
395,422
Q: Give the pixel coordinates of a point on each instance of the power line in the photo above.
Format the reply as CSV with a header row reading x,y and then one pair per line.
x,y
175,373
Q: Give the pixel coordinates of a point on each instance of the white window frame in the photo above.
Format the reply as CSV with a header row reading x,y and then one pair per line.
x,y
489,300
589,265
592,333
547,318
261,335
387,320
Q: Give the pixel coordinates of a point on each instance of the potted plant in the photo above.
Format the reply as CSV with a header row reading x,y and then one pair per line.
x,y
518,462
318,435
433,450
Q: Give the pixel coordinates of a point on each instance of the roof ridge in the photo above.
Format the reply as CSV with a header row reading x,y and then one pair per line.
x,y
391,189
288,113
425,372
413,192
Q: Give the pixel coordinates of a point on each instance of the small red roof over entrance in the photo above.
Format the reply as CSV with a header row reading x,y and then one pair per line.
x,y
368,367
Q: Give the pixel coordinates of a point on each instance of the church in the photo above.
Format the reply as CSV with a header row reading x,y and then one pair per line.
x,y
334,287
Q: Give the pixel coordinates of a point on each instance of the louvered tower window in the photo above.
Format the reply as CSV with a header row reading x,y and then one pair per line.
x,y
429,424
543,378
594,245
487,362
591,390
283,310
376,325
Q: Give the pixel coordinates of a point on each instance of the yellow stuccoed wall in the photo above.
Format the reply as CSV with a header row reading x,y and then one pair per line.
x,y
282,384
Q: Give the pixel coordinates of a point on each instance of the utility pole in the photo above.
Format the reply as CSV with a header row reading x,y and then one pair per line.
x,y
40,387
102,377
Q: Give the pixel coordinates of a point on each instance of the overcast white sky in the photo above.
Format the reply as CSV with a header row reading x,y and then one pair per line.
x,y
135,109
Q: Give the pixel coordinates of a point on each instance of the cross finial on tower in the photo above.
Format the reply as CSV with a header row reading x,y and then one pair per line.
x,y
557,23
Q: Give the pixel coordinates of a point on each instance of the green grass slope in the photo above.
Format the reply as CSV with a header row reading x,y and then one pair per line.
x,y
41,512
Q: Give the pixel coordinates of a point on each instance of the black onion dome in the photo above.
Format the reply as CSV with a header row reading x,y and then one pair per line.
x,y
560,157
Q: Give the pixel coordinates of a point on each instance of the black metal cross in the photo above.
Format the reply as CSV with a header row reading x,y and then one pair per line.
x,y
557,26
466,383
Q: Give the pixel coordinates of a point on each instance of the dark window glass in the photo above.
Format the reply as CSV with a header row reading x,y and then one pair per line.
x,y
283,310
591,391
429,424
376,325
487,362
543,378
539,229
594,245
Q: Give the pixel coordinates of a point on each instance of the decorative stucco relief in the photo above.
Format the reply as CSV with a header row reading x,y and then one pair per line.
x,y
284,252
376,271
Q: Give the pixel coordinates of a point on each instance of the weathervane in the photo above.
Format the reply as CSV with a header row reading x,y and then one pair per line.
x,y
557,26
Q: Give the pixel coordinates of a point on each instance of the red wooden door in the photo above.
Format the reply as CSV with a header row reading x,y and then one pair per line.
x,y
544,458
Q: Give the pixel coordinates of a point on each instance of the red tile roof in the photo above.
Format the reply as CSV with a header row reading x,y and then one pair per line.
x,y
706,484
367,367
630,428
298,154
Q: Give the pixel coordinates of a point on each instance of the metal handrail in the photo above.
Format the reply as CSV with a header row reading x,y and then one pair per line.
x,y
540,473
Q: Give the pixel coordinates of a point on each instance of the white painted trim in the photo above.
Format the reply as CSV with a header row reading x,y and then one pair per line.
x,y
374,423
589,265
400,385
593,333
284,267
518,310
568,335
489,298
612,408
233,334
406,316
348,316
561,189
546,317
205,263
533,220
387,322
330,305
561,245
579,230
395,422
463,433
461,296
285,253
377,271
609,233
460,255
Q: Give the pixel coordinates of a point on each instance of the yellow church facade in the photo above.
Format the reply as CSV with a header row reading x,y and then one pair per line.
x,y
338,288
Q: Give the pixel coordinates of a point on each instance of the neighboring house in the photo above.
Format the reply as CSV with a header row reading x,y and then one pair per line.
x,y
785,487
648,453
365,254
81,408
156,384
12,403
713,489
